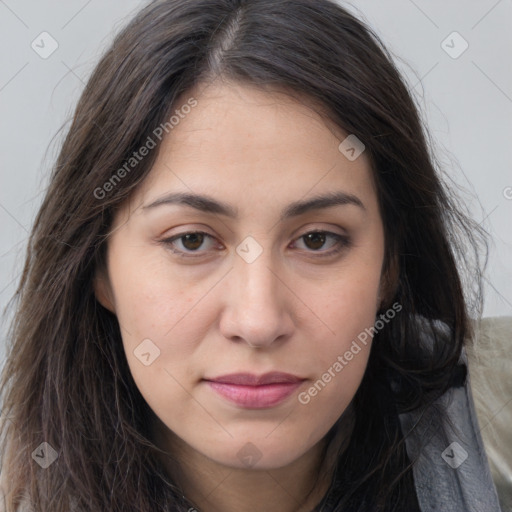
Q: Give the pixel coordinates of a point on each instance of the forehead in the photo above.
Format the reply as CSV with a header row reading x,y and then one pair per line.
x,y
240,117
243,143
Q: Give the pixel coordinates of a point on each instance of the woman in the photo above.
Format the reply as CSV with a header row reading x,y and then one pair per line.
x,y
242,288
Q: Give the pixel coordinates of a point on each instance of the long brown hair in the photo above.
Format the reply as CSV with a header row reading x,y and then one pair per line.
x,y
66,380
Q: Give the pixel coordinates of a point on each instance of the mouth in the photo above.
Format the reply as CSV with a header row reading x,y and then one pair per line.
x,y
251,391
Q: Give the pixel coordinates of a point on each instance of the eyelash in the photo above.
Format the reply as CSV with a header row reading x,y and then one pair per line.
x,y
342,242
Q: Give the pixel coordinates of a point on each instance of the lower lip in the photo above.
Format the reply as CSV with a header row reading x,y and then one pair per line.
x,y
255,397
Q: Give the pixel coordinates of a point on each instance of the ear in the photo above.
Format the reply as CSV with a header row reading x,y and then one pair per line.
x,y
103,290
389,282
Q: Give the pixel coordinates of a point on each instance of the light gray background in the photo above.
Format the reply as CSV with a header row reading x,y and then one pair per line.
x,y
467,103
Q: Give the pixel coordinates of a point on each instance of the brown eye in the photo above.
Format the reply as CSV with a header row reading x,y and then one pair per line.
x,y
190,244
315,241
192,241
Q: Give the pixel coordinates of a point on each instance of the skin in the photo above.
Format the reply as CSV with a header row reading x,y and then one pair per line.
x,y
289,310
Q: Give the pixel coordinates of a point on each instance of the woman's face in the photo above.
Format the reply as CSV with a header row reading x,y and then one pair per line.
x,y
250,290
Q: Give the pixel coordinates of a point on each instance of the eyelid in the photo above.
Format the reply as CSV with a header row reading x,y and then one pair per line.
x,y
168,241
342,242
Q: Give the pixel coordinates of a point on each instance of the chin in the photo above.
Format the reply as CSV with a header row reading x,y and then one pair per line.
x,y
259,454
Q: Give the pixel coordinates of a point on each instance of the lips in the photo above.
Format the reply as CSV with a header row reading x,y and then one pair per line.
x,y
255,392
248,379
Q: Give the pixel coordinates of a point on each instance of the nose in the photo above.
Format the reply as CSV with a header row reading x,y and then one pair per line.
x,y
257,304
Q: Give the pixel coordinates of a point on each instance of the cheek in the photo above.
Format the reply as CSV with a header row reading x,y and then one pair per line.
x,y
153,298
338,354
162,320
348,310
162,327
348,305
328,394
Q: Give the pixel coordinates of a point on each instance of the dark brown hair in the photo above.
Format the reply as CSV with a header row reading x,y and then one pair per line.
x,y
66,380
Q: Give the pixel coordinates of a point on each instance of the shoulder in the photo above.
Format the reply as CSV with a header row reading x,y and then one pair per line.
x,y
490,371
444,441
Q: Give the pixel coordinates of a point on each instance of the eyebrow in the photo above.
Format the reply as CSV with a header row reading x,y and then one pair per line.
x,y
207,204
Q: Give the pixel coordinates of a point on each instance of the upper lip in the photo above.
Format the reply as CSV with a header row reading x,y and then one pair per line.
x,y
249,379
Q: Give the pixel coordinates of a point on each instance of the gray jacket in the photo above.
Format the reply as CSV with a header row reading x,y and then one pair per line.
x,y
452,473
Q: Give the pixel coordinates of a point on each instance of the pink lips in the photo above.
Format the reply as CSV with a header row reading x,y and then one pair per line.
x,y
253,391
